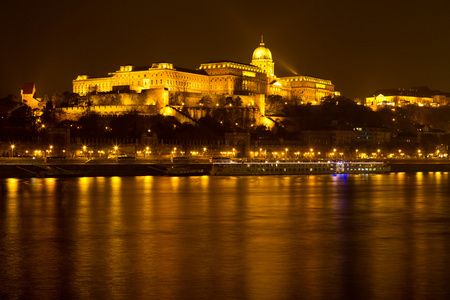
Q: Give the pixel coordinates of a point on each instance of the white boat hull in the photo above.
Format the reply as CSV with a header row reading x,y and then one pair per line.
x,y
298,168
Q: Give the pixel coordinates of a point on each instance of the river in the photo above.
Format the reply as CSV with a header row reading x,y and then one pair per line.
x,y
383,236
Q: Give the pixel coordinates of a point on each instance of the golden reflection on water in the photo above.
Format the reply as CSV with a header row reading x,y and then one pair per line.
x,y
273,237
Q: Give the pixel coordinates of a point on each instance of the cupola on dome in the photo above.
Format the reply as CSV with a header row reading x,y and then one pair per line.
x,y
262,52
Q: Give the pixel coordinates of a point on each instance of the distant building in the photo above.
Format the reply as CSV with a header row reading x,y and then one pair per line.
x,y
345,138
421,96
28,93
216,78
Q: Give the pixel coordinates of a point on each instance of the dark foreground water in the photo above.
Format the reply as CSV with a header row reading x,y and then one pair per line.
x,y
273,237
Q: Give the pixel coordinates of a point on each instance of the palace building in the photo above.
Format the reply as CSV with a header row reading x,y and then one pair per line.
x,y
420,96
215,78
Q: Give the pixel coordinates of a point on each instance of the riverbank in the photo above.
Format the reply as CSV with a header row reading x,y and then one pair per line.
x,y
83,168
422,165
28,168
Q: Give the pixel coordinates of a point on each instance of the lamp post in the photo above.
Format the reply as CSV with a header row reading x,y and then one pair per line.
x,y
12,150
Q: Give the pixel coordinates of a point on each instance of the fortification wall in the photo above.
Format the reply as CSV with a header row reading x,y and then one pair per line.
x,y
74,113
146,97
212,100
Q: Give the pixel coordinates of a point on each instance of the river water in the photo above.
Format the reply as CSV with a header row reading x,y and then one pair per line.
x,y
258,237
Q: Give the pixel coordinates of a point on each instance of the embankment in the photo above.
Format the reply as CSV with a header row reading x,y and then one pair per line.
x,y
419,165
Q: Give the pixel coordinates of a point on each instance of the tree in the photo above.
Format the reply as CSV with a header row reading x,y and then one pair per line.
x,y
65,99
229,101
174,98
8,104
205,101
22,117
48,116
223,116
90,125
238,101
132,124
275,105
185,111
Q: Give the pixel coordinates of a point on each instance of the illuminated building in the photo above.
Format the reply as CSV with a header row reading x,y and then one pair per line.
x,y
262,58
130,78
421,96
215,78
28,93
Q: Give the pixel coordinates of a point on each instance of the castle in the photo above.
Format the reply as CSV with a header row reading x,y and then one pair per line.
x,y
225,78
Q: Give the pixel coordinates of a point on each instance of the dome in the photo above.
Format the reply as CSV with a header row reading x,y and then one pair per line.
x,y
262,52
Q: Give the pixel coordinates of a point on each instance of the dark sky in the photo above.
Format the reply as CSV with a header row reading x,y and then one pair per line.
x,y
361,46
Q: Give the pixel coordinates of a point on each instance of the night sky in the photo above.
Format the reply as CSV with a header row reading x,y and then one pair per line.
x,y
361,46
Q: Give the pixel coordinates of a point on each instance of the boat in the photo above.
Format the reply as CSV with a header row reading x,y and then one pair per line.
x,y
180,159
299,168
179,171
55,159
125,159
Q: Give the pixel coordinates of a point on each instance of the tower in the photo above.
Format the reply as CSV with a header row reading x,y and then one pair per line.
x,y
262,58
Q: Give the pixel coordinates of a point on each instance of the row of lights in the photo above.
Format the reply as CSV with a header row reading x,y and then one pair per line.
x,y
311,152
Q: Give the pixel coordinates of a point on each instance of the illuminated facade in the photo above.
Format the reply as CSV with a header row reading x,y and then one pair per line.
x,y
218,77
28,93
308,89
420,96
130,78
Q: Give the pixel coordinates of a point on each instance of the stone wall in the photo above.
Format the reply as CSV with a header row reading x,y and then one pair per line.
x,y
147,97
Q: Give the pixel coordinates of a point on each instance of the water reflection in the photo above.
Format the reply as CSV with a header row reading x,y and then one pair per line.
x,y
377,236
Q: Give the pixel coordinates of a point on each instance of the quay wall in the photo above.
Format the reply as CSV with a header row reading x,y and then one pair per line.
x,y
29,170
420,166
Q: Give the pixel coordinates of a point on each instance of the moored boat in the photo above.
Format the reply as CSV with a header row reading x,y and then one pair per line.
x,y
299,168
184,171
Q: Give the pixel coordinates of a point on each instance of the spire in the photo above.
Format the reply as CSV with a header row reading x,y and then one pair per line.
x,y
262,40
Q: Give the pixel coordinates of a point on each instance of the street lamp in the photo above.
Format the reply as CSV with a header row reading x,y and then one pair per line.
x,y
12,150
